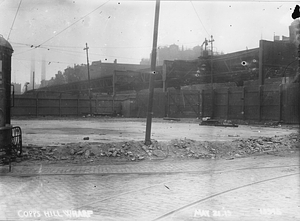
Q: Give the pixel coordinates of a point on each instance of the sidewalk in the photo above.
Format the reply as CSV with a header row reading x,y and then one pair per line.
x,y
254,188
149,166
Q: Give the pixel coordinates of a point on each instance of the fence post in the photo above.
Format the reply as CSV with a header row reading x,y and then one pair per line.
x,y
227,108
199,104
59,104
37,104
95,108
244,102
113,103
280,102
95,97
168,103
78,104
260,93
212,102
287,109
202,103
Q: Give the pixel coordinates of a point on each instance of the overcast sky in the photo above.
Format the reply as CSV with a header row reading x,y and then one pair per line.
x,y
57,30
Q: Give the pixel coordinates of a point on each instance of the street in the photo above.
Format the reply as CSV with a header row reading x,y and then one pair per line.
x,y
254,187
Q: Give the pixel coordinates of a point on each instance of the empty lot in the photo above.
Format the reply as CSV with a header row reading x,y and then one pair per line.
x,y
45,131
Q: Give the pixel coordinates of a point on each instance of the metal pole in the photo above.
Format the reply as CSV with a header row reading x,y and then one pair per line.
x,y
89,80
151,80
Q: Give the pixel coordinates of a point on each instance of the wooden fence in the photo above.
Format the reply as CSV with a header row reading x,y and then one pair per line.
x,y
255,103
64,105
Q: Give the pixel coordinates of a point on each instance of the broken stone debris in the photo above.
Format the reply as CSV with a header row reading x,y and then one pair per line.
x,y
178,148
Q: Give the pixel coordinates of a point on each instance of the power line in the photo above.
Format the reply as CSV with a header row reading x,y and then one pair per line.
x,y
199,18
72,24
49,62
14,19
37,46
103,47
2,2
78,52
68,46
75,53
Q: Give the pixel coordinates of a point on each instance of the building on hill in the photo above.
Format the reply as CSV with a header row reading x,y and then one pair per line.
x,y
101,69
17,88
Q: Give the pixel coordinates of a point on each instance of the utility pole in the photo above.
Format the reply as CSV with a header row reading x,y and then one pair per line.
x,y
296,16
151,80
89,80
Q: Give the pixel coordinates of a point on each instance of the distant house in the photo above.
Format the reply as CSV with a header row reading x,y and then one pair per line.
x,y
100,69
17,88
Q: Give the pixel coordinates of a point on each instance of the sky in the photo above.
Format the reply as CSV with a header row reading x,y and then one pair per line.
x,y
57,30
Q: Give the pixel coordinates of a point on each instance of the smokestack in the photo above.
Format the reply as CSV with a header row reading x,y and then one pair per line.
x,y
32,70
43,71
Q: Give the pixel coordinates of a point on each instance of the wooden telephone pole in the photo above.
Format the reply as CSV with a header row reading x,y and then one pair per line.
x,y
89,80
151,80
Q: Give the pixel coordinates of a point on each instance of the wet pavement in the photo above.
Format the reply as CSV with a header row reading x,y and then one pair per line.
x,y
254,188
44,132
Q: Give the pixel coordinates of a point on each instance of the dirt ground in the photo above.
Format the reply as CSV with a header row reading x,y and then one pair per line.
x,y
47,131
99,140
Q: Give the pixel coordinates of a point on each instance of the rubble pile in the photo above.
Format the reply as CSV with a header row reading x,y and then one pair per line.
x,y
267,144
178,148
77,152
192,149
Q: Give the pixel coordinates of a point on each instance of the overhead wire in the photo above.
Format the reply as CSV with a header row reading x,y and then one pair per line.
x,y
73,23
2,2
39,45
68,46
49,62
14,20
91,53
199,18
75,53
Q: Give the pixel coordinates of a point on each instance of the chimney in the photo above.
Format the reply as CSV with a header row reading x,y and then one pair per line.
x,y
276,38
43,71
32,70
